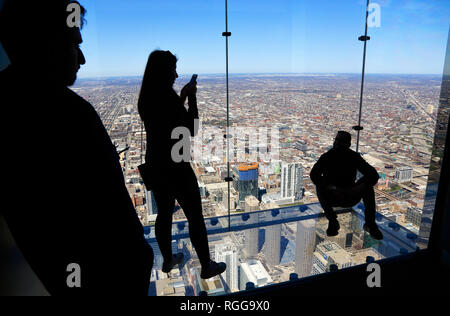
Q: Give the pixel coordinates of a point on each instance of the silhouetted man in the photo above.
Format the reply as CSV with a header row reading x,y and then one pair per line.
x,y
334,175
66,203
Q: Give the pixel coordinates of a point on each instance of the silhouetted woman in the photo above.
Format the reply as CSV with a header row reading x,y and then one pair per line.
x,y
162,110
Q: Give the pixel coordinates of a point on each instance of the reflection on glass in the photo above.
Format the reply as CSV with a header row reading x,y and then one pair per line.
x,y
443,114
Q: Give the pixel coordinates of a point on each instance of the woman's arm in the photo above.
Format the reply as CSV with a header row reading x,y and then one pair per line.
x,y
190,116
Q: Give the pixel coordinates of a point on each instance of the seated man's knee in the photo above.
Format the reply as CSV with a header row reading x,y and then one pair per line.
x,y
368,190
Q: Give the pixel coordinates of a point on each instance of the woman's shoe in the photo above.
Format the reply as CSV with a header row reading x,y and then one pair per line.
x,y
213,269
373,230
333,228
176,259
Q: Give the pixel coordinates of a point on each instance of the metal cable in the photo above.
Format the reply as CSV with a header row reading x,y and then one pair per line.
x,y
365,39
228,117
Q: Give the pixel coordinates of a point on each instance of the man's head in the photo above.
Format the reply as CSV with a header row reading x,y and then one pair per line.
x,y
343,140
40,41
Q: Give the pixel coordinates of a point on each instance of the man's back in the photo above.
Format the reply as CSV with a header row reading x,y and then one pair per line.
x,y
339,167
66,197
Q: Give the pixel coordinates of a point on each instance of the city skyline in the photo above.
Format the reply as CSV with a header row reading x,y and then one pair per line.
x,y
187,76
398,118
302,111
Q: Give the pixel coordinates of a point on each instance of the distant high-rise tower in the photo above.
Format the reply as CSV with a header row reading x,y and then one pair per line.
x,y
403,174
227,253
273,244
202,188
251,235
291,180
158,258
246,180
152,208
305,242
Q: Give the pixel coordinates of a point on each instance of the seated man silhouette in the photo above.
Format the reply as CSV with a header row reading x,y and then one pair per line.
x,y
65,201
334,175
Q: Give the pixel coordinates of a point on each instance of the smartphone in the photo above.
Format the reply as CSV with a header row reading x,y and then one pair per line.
x,y
193,79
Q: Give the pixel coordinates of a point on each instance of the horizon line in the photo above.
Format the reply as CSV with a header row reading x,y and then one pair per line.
x,y
266,73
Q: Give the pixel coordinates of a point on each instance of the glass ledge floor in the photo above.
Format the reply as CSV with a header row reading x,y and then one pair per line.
x,y
273,246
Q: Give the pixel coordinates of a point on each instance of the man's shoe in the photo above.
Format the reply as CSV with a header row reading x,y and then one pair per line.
x,y
373,231
213,269
176,259
333,228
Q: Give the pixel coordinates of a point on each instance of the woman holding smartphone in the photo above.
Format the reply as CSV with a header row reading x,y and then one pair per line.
x,y
163,110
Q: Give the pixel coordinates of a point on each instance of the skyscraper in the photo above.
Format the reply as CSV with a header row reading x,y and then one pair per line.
x,y
251,235
202,189
152,208
305,242
227,253
246,180
291,180
158,258
403,174
273,244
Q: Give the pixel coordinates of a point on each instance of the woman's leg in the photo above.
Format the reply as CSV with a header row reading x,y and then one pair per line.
x,y
187,194
165,202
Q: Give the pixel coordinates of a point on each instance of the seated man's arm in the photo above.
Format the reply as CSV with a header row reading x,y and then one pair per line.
x,y
370,174
316,173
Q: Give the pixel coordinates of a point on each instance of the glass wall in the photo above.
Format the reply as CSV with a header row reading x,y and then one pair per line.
x,y
294,80
301,64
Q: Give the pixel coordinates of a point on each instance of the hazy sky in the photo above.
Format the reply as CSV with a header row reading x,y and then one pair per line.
x,y
267,36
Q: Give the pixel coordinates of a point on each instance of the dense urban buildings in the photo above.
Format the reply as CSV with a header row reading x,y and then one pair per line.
x,y
306,111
